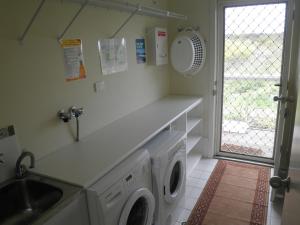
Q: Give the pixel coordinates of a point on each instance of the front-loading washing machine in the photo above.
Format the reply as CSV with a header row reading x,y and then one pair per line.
x,y
124,195
168,159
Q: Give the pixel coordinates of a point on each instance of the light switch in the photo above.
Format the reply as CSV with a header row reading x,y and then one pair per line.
x,y
99,86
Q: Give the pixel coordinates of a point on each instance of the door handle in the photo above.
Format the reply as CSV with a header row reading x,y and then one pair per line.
x,y
277,182
278,85
283,99
1,159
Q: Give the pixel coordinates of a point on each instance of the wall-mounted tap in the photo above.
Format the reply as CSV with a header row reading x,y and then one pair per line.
x,y
64,116
67,116
21,169
76,112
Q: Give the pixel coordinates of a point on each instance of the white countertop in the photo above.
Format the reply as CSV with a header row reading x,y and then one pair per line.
x,y
83,163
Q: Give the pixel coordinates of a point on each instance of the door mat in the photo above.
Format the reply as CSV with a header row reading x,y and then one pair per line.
x,y
235,194
242,150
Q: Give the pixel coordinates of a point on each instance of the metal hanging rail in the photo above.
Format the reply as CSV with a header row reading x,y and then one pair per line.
x,y
130,7
121,6
109,4
37,11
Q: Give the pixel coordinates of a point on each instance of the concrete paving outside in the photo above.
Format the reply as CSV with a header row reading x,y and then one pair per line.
x,y
253,142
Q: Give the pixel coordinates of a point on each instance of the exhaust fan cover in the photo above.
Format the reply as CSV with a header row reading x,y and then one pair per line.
x,y
188,53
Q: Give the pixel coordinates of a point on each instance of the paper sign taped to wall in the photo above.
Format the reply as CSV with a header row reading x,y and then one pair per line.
x,y
113,55
140,50
73,59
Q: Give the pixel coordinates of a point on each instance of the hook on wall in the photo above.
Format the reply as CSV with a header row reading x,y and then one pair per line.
x,y
188,28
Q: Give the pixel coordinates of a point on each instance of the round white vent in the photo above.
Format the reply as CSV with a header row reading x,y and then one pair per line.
x,y
188,53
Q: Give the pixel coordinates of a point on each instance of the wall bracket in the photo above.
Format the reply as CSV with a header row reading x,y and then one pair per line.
x,y
83,5
36,13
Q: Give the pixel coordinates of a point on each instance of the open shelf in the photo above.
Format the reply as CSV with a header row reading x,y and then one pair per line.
x,y
164,140
193,159
191,123
191,142
194,126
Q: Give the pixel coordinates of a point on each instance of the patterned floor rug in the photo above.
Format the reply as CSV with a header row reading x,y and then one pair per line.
x,y
235,194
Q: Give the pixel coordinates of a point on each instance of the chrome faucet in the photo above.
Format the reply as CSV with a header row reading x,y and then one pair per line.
x,y
21,169
73,111
67,116
76,112
1,160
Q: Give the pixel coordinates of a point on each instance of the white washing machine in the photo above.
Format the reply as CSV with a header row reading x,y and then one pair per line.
x,y
124,196
168,158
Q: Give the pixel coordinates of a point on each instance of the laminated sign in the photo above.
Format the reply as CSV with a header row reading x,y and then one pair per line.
x,y
113,55
73,59
140,50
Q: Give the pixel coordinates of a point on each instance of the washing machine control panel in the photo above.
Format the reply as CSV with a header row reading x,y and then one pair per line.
x,y
138,175
129,180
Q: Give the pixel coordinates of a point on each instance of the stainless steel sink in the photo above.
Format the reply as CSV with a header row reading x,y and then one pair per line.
x,y
23,201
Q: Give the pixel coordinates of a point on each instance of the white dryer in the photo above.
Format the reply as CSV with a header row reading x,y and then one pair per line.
x,y
168,158
124,195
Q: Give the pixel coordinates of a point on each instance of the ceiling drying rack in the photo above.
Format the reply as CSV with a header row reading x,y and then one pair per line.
x,y
108,4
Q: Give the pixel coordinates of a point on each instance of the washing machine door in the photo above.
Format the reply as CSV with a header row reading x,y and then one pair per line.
x,y
139,208
175,178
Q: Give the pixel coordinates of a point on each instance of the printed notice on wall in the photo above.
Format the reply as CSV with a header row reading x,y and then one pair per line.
x,y
113,55
140,51
73,59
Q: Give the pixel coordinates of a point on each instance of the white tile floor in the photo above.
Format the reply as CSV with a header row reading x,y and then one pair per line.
x,y
195,184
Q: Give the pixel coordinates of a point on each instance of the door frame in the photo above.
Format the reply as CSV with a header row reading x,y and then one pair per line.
x,y
217,83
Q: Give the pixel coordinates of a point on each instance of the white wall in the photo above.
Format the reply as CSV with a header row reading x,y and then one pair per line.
x,y
32,85
199,14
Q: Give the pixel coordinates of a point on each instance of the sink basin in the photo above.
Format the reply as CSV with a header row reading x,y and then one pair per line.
x,y
23,201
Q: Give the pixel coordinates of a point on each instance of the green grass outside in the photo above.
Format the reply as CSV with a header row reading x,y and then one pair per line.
x,y
253,53
250,101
